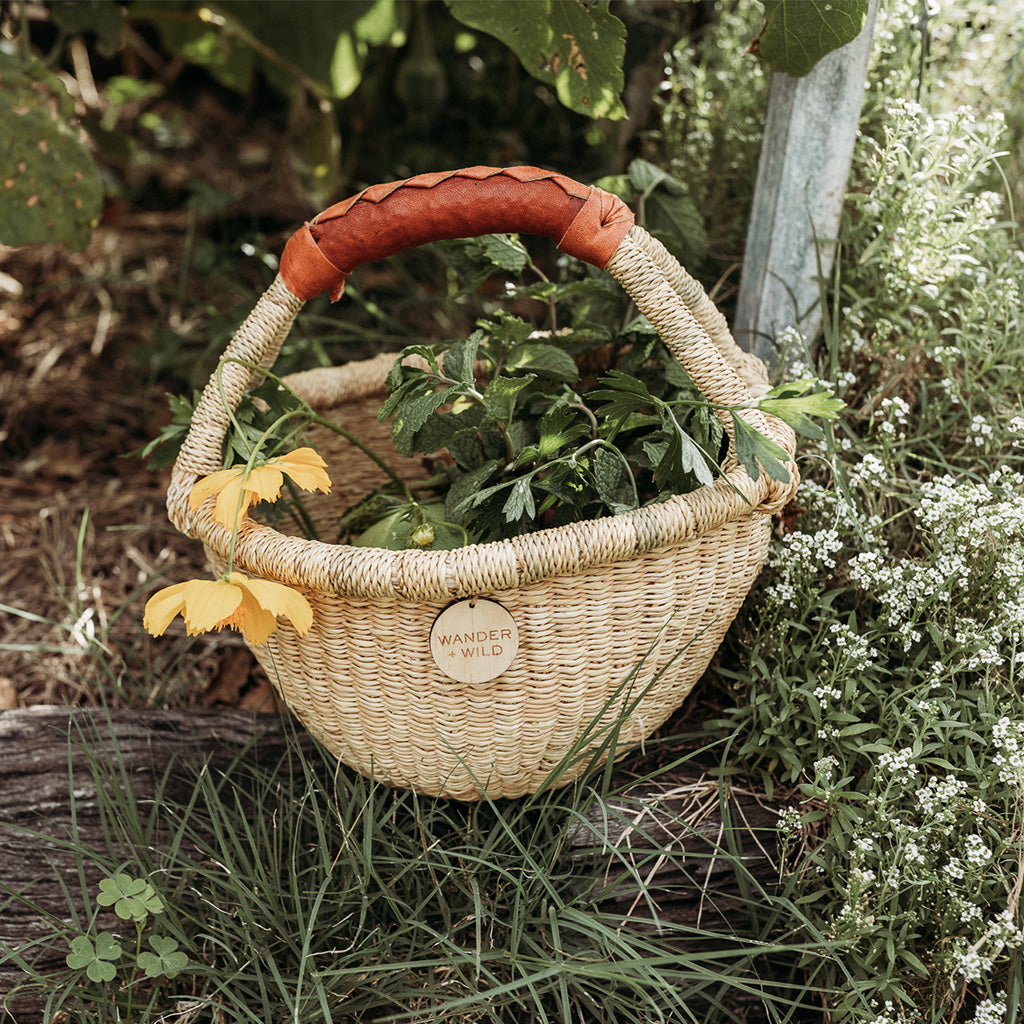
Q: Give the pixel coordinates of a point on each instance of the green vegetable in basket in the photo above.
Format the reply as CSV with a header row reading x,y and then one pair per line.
x,y
414,525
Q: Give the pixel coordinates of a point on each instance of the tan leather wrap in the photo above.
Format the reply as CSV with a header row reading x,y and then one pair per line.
x,y
585,222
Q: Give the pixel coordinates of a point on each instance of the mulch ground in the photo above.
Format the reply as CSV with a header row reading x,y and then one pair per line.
x,y
79,390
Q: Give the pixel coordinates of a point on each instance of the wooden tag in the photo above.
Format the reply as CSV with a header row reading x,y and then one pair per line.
x,y
474,640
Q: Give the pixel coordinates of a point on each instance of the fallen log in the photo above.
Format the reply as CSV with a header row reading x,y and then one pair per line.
x,y
653,848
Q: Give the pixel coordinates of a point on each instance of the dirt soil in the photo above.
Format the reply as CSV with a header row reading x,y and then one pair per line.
x,y
83,340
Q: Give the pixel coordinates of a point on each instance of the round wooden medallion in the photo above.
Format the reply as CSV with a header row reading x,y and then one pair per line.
x,y
474,640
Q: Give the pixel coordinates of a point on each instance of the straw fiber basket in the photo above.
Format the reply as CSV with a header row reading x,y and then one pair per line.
x,y
617,617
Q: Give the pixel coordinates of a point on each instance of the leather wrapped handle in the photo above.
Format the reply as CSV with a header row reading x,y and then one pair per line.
x,y
584,221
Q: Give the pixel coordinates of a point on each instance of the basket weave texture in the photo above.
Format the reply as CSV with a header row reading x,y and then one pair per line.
x,y
617,617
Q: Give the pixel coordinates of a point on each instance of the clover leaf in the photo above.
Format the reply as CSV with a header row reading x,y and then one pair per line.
x,y
131,898
166,960
97,959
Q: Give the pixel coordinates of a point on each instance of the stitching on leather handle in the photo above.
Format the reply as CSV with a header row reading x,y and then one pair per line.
x,y
589,224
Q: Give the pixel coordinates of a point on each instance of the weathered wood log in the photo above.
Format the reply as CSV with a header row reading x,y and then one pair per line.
x,y
51,814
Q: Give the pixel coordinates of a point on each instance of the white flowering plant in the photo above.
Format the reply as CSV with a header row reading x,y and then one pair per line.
x,y
877,668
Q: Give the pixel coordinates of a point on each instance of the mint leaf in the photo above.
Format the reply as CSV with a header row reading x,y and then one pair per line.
x,y
395,375
547,361
411,415
460,358
613,480
465,487
403,391
504,251
500,395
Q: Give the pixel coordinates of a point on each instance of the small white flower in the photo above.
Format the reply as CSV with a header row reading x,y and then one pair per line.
x,y
789,820
990,1011
977,853
898,764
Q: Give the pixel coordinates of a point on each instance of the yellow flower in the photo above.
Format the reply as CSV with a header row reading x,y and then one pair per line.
x,y
236,491
236,600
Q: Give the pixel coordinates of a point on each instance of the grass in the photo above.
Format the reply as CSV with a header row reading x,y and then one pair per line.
x,y
301,892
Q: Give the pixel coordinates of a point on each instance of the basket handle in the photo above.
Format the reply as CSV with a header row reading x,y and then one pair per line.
x,y
585,221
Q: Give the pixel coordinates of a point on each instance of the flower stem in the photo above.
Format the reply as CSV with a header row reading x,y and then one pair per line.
x,y
323,421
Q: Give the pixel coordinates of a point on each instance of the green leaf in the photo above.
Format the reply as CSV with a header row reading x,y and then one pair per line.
x,y
791,404
520,501
798,33
752,447
512,330
162,450
504,251
436,433
96,959
323,41
681,458
548,361
500,396
466,487
415,383
557,428
132,898
614,481
678,218
227,56
394,377
669,212
166,961
461,357
411,415
576,47
50,190
646,177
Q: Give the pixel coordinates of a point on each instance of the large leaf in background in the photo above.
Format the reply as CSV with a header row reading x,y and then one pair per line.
x,y
320,40
576,46
798,33
102,18
50,190
321,45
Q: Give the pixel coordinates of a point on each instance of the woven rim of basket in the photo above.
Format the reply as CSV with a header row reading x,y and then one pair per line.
x,y
694,331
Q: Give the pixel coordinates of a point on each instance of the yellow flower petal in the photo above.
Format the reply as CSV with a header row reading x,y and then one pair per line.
x,y
210,604
263,483
231,503
255,622
162,607
212,484
279,600
306,468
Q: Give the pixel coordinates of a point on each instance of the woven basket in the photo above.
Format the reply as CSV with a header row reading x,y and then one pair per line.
x,y
617,618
